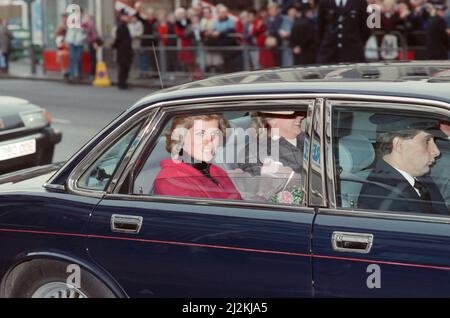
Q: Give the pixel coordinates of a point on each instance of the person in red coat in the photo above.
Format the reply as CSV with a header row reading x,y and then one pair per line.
x,y
185,35
193,142
266,56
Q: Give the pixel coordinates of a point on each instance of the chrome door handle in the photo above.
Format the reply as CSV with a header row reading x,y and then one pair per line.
x,y
126,224
352,242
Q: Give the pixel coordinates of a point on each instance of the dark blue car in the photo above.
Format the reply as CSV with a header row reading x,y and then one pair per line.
x,y
119,220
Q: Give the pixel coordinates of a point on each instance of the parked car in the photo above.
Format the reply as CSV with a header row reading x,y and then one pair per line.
x,y
130,216
27,138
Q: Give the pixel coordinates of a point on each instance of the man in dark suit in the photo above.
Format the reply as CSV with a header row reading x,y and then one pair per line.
x,y
437,42
342,31
400,181
124,49
302,39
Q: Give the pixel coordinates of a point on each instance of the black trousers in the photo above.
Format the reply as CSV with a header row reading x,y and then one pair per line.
x,y
93,59
124,72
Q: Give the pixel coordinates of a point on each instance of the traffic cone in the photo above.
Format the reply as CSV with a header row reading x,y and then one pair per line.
x,y
101,76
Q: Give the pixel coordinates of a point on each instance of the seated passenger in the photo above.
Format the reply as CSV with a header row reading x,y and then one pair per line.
x,y
283,127
406,152
273,158
193,142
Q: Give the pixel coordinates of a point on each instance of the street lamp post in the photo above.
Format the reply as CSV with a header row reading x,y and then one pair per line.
x,y
30,26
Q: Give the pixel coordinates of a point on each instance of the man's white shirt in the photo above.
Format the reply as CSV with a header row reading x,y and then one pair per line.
x,y
409,178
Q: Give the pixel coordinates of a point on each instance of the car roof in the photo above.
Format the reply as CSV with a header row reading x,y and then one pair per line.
x,y
9,100
428,80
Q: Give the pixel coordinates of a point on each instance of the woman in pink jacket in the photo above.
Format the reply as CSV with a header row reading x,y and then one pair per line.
x,y
193,142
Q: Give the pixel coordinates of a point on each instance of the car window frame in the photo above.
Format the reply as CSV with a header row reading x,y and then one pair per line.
x,y
145,118
395,104
227,103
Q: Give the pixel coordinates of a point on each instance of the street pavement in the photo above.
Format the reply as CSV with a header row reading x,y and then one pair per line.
x,y
79,111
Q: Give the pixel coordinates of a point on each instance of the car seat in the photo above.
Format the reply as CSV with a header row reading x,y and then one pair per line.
x,y
356,154
145,180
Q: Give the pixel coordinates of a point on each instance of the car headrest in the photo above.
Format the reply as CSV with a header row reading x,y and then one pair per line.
x,y
356,153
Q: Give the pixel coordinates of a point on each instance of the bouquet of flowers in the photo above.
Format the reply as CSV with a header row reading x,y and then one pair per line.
x,y
289,197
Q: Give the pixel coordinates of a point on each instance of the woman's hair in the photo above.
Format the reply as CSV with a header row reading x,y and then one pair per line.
x,y
175,136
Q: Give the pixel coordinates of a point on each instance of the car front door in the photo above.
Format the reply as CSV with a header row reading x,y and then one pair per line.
x,y
360,252
158,246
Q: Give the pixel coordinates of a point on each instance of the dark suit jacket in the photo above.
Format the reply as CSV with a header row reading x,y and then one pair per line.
x,y
123,44
388,190
289,156
345,27
437,39
302,35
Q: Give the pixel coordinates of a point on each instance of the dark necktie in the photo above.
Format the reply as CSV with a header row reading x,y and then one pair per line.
x,y
423,191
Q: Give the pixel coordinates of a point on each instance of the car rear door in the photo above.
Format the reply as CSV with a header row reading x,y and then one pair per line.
x,y
184,247
365,253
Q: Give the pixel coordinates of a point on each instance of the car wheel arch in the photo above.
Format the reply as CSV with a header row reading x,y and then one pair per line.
x,y
21,263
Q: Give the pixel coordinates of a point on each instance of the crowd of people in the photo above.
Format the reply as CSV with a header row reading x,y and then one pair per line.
x,y
290,32
206,39
71,42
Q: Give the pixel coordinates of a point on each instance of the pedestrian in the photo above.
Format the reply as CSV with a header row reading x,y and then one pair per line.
x,y
266,55
244,28
273,24
123,45
145,55
285,34
62,48
185,39
342,31
5,46
214,60
76,39
93,41
302,39
225,34
168,41
136,29
437,42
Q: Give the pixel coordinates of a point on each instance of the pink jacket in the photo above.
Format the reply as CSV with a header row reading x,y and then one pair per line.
x,y
182,180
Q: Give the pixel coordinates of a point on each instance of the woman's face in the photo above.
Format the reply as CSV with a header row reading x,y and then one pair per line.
x,y
202,140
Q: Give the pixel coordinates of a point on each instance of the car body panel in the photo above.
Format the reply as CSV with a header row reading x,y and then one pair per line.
x,y
412,258
205,251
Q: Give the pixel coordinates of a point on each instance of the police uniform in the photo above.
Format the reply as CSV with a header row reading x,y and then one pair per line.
x,y
342,30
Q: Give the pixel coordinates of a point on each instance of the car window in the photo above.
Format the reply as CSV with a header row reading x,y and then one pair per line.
x,y
392,161
239,156
100,173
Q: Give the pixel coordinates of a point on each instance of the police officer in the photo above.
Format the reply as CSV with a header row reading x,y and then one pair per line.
x,y
437,41
342,30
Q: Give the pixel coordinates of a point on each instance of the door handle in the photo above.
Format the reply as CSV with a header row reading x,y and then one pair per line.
x,y
126,224
352,242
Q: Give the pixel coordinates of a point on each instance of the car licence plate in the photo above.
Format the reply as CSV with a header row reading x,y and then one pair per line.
x,y
18,149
